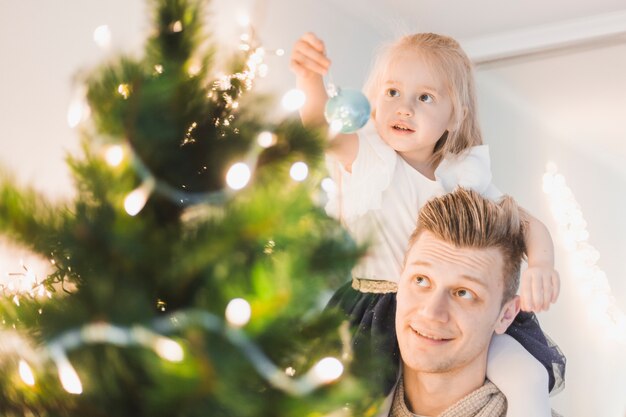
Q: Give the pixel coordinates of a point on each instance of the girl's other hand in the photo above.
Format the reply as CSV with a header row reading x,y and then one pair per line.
x,y
539,288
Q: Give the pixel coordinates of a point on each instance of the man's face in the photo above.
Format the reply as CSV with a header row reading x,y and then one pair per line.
x,y
449,305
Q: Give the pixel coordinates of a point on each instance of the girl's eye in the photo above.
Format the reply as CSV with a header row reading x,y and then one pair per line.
x,y
466,294
426,98
422,281
392,92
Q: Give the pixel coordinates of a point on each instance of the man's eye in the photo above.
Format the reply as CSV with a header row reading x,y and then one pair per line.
x,y
466,294
392,92
422,281
426,98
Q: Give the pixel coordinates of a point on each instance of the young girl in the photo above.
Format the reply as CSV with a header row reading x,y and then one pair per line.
x,y
423,140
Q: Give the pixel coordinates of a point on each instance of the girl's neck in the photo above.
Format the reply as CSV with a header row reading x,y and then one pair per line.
x,y
421,164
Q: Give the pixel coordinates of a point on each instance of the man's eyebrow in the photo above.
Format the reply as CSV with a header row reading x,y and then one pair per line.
x,y
475,280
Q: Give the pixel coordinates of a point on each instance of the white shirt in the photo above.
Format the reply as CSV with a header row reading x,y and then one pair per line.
x,y
380,199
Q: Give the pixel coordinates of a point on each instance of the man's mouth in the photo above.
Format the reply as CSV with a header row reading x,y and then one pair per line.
x,y
430,336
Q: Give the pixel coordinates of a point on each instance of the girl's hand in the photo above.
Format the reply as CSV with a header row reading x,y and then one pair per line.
x,y
308,57
539,288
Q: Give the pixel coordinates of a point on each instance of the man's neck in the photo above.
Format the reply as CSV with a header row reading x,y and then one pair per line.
x,y
430,394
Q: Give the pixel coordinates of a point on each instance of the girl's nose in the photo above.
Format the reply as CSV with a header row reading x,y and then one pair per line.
x,y
404,110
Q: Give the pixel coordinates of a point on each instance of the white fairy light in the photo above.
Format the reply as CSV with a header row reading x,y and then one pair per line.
x,y
293,99
136,199
177,26
26,373
238,176
266,139
238,312
114,155
123,90
102,36
280,52
334,128
329,185
328,370
243,19
68,376
593,282
168,349
299,171
77,111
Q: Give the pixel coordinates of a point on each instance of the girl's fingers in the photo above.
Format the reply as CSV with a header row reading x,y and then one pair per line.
x,y
537,293
526,294
304,61
556,286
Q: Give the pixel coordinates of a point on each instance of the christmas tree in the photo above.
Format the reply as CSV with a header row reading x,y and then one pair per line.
x,y
187,274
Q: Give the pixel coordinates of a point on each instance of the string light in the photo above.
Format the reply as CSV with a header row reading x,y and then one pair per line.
x,y
136,200
328,370
299,171
26,374
78,109
67,374
266,139
329,186
592,281
102,36
168,349
238,312
177,26
124,90
243,19
238,176
293,99
114,155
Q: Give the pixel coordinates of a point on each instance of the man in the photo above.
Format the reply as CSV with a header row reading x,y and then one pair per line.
x,y
456,291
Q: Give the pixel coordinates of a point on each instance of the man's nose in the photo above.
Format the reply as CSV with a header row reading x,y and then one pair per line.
x,y
435,307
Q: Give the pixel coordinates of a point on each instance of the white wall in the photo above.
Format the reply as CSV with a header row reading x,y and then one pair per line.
x,y
566,108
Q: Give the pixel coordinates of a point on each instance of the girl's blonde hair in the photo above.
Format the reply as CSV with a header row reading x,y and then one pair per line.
x,y
446,57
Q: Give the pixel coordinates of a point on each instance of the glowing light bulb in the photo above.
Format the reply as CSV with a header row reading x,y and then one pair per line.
x,y
280,52
238,312
123,90
77,111
26,373
169,349
238,176
299,171
329,185
243,19
266,139
136,199
328,370
293,99
114,155
102,36
69,378
177,26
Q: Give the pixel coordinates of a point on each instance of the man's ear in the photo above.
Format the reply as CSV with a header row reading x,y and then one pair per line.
x,y
507,314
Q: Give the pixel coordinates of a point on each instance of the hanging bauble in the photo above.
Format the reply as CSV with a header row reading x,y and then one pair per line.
x,y
347,111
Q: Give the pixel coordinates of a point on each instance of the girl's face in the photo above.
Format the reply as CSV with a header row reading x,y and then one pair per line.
x,y
412,107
